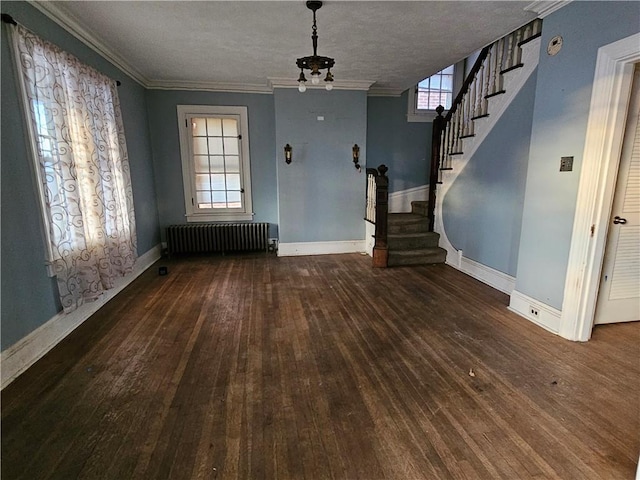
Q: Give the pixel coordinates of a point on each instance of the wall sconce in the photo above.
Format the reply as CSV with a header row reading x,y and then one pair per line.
x,y
356,156
287,153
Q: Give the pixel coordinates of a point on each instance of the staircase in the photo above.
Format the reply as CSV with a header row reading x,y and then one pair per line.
x,y
409,239
498,75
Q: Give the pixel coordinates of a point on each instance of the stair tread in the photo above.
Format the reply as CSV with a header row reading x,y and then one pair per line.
x,y
405,217
423,256
417,252
412,235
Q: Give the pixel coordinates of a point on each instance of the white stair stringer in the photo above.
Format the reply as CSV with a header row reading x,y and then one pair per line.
x,y
513,81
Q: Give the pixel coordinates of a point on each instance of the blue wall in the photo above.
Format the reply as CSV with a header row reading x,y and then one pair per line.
x,y
563,95
482,212
321,196
402,146
163,124
29,296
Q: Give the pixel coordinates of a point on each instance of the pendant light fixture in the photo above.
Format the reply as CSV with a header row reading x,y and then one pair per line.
x,y
315,62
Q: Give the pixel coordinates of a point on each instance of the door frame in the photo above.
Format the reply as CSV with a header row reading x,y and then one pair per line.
x,y
601,158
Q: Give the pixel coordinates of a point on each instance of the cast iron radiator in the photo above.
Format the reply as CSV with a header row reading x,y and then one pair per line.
x,y
217,237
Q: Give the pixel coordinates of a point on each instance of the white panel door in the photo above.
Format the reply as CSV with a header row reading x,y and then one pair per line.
x,y
619,294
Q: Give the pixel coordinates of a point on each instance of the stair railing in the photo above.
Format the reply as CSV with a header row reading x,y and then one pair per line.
x,y
483,82
377,212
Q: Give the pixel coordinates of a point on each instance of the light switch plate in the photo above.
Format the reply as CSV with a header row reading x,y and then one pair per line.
x,y
566,164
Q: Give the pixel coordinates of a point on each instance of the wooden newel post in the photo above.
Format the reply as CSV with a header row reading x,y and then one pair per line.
x,y
436,140
380,249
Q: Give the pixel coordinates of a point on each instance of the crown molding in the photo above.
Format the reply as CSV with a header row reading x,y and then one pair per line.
x,y
209,86
73,26
545,8
337,84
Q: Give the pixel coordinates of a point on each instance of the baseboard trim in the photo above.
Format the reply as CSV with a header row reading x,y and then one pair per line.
x,y
547,317
400,202
320,248
20,356
492,277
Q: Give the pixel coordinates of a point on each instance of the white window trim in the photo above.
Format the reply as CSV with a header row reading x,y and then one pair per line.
x,y
415,115
188,176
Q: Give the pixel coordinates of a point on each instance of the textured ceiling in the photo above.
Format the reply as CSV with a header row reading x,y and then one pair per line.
x,y
394,44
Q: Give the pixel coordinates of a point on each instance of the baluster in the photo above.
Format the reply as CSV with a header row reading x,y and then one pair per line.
x,y
467,114
445,151
527,33
443,144
452,127
491,71
452,134
471,104
499,60
479,98
371,190
518,52
459,134
477,86
537,26
486,73
509,60
462,108
465,126
472,97
449,148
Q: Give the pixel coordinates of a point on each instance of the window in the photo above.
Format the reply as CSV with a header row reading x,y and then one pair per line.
x,y
438,89
214,145
81,165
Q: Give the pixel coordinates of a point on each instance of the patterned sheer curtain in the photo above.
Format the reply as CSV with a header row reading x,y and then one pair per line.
x,y
77,134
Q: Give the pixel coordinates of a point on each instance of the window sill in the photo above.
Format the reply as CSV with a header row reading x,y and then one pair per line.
x,y
218,217
426,116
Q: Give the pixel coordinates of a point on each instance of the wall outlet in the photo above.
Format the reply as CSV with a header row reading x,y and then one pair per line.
x,y
533,311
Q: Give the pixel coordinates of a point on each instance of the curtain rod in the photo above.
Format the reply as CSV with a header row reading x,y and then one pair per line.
x,y
6,18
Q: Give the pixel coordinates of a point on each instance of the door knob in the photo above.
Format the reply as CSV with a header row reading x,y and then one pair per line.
x,y
618,220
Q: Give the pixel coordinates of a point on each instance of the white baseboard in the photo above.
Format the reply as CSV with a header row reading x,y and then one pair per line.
x,y
400,202
537,312
24,353
494,278
320,248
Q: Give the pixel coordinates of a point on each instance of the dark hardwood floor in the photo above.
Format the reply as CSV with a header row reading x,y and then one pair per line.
x,y
258,367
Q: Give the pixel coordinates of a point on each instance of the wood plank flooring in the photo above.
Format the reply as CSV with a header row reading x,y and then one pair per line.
x,y
257,367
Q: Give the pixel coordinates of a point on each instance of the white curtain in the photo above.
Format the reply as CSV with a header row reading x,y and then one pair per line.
x,y
76,127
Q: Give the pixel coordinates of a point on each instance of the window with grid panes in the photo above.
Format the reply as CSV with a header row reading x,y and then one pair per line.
x,y
215,162
436,90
